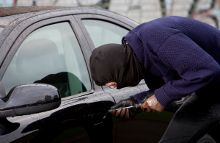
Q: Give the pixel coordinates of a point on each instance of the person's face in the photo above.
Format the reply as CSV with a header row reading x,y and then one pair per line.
x,y
114,84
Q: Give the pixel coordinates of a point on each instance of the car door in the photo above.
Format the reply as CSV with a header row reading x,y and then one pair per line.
x,y
145,127
53,51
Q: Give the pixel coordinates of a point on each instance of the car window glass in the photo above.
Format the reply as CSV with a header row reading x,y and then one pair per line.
x,y
50,55
1,29
102,32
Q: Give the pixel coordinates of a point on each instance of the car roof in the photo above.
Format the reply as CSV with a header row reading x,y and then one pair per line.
x,y
12,18
7,11
15,15
9,14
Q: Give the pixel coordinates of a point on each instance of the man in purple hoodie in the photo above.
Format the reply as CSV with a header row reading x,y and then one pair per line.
x,y
176,56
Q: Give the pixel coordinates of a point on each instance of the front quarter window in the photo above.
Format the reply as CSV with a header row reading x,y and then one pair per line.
x,y
50,55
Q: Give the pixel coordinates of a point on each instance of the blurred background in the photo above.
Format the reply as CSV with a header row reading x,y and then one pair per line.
x,y
140,11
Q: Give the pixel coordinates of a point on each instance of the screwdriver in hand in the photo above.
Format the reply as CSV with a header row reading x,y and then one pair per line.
x,y
137,106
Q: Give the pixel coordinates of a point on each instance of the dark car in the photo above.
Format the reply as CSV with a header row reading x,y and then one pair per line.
x,y
46,90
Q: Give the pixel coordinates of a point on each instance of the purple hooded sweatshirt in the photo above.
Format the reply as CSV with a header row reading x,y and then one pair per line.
x,y
180,56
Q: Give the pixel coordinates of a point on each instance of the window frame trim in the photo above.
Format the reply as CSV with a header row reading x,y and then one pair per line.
x,y
79,18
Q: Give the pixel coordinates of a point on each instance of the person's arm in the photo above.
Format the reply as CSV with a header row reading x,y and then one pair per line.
x,y
153,83
195,67
140,96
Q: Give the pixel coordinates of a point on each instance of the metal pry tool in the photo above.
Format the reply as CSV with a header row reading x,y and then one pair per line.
x,y
134,106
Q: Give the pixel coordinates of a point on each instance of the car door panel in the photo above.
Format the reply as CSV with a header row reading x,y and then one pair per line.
x,y
81,113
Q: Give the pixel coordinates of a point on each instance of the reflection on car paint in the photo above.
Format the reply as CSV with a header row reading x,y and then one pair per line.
x,y
82,115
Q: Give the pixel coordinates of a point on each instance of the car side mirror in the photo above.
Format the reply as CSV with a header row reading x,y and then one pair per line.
x,y
29,99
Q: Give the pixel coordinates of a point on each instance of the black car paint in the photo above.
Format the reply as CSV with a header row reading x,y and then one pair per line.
x,y
29,99
82,112
82,117
93,115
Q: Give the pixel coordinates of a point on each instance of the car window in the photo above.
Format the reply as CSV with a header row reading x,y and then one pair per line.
x,y
50,55
103,32
1,29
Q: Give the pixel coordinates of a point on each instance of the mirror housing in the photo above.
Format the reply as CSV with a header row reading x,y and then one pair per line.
x,y
29,99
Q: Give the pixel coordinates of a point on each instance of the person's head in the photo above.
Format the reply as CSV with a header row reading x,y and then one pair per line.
x,y
114,65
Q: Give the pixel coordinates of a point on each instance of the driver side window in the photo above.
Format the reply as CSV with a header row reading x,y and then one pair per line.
x,y
50,55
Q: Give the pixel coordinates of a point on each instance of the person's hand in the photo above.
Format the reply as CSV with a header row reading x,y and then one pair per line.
x,y
152,104
124,113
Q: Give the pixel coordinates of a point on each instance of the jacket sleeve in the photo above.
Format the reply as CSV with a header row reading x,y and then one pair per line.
x,y
141,95
195,67
152,83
